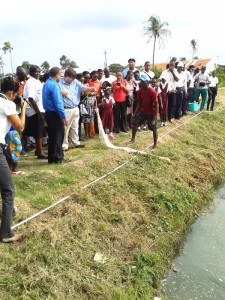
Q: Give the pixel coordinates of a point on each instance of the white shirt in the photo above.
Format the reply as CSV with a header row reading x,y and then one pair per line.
x,y
150,74
202,77
182,82
33,89
214,81
7,108
168,76
110,79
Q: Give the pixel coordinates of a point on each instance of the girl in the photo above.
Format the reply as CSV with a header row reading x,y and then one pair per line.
x,y
107,112
164,110
8,117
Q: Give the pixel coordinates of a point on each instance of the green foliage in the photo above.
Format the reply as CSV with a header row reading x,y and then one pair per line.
x,y
26,65
67,63
45,66
220,73
113,68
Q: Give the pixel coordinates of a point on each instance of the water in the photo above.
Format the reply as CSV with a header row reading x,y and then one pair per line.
x,y
199,272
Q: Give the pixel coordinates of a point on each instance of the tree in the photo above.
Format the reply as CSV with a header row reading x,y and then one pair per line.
x,y
1,66
26,65
194,47
7,47
155,30
113,68
45,67
66,63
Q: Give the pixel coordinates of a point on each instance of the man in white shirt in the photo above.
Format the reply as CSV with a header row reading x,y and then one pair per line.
x,y
35,110
107,76
147,70
171,76
212,90
181,92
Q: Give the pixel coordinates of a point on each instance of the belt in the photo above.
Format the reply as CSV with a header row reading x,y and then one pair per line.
x,y
69,107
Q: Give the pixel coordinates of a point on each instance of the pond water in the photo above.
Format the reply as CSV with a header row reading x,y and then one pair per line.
x,y
199,271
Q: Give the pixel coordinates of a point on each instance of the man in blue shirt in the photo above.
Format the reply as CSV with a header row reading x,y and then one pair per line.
x,y
131,67
55,116
71,90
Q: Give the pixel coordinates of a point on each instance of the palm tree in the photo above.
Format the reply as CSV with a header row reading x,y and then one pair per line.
x,y
194,47
45,67
1,66
155,30
7,47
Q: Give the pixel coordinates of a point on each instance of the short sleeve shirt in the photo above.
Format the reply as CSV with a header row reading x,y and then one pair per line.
x,y
147,99
7,108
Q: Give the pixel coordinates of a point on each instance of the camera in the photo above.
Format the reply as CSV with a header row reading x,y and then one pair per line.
x,y
201,84
118,83
17,100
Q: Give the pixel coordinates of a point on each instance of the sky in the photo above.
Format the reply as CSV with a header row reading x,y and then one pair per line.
x,y
45,30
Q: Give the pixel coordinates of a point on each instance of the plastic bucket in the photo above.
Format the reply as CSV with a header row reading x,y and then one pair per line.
x,y
193,106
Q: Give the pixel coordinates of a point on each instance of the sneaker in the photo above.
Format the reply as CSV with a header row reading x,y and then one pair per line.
x,y
165,124
145,128
13,239
162,124
139,128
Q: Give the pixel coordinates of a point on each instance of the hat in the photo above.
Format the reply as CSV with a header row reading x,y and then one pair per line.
x,y
203,67
180,64
143,77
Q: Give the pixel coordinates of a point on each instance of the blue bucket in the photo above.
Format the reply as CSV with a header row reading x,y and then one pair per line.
x,y
193,106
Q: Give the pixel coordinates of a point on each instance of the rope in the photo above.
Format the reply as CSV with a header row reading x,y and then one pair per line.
x,y
107,174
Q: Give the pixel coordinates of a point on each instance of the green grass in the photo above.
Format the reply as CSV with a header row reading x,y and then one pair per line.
x,y
137,217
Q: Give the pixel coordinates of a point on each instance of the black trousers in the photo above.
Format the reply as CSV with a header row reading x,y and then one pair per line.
x,y
7,194
211,97
171,105
120,116
178,104
55,131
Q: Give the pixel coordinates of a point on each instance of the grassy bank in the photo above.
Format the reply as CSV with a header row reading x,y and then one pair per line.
x,y
136,217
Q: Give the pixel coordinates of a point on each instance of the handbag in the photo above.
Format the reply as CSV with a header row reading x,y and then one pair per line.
x,y
128,100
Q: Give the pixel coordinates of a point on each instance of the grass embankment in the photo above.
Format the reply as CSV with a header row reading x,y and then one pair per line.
x,y
136,217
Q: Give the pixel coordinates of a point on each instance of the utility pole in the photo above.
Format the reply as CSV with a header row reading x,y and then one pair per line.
x,y
105,64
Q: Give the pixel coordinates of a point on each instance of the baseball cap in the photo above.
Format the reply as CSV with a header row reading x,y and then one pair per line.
x,y
143,77
180,64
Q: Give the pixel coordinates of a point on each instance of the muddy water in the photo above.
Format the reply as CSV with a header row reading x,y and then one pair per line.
x,y
199,272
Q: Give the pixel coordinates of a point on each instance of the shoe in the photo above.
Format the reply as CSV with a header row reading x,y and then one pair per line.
x,y
17,173
79,146
162,124
111,137
139,128
165,124
43,156
13,239
63,161
145,128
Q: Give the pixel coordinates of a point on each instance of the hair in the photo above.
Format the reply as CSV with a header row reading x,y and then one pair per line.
x,y
79,76
129,72
54,71
99,70
70,73
136,71
131,59
33,69
147,62
106,83
85,73
45,77
93,73
9,85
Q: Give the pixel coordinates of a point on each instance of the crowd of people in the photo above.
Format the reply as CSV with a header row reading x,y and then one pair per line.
x,y
38,109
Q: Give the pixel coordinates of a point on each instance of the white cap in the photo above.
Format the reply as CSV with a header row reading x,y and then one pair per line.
x,y
180,64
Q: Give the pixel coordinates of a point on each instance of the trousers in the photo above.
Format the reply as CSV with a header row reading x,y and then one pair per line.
x,y
55,131
7,194
72,130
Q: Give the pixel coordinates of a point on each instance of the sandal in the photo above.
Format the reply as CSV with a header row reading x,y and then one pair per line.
x,y
17,173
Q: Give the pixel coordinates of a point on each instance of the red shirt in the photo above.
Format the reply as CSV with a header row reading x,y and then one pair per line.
x,y
119,93
147,99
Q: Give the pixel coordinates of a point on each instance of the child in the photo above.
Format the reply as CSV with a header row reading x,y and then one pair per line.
x,y
107,112
164,110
